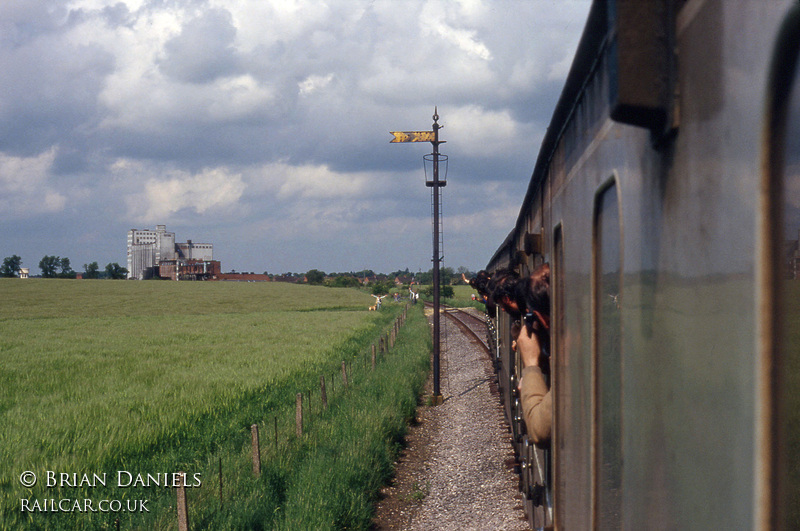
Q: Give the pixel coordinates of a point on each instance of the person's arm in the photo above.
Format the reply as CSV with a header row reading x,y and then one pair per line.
x,y
537,405
535,397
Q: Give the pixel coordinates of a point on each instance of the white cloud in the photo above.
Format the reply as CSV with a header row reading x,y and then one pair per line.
x,y
25,188
210,191
236,98
463,39
100,4
432,20
265,22
477,132
314,182
314,83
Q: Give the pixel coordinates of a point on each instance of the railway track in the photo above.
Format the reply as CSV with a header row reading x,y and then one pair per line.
x,y
475,327
528,462
460,449
472,325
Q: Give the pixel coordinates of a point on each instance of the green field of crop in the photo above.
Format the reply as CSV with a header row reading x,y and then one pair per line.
x,y
792,397
100,379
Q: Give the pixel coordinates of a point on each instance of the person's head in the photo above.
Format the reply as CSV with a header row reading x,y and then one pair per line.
x,y
485,284
479,282
533,295
503,285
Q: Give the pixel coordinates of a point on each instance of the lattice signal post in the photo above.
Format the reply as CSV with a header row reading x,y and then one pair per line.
x,y
433,138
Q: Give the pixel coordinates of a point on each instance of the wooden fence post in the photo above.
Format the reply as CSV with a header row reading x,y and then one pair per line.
x,y
323,392
344,372
256,450
183,509
299,415
373,356
220,483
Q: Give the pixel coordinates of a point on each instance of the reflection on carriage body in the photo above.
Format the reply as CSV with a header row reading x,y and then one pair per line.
x,y
666,197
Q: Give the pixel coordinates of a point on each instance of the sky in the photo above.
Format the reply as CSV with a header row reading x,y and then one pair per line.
x,y
262,126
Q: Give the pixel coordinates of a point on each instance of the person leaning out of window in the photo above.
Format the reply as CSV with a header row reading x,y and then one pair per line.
x,y
532,343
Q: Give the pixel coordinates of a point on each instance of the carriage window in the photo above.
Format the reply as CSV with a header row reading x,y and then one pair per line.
x,y
607,361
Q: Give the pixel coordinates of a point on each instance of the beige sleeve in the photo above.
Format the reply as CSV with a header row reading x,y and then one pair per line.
x,y
537,405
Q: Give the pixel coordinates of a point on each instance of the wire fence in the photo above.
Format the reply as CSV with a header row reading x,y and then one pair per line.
x,y
269,436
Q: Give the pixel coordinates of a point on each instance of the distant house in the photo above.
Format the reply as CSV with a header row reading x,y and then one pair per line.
x,y
24,272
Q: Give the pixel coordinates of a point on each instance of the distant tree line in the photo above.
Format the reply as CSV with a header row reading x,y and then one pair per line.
x,y
57,267
382,284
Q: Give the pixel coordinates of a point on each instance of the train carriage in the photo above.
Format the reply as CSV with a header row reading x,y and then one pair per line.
x,y
666,198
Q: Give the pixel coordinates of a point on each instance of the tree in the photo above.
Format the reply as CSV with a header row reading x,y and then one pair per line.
x,y
446,275
345,281
380,288
115,271
445,292
315,277
10,267
400,273
49,266
425,278
91,270
66,269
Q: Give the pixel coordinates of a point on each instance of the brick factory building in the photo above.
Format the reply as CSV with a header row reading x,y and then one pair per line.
x,y
189,269
147,249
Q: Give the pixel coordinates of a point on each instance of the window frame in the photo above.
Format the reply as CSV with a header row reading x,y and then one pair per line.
x,y
771,454
610,185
